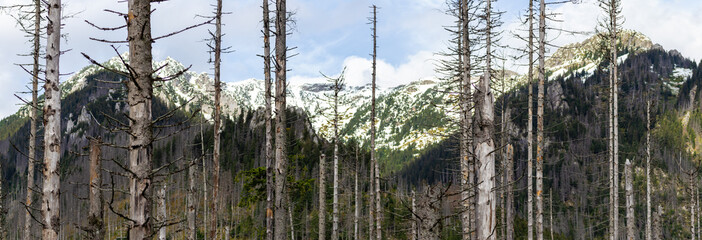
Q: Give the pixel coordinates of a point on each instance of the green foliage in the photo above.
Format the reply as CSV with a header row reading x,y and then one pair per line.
x,y
254,190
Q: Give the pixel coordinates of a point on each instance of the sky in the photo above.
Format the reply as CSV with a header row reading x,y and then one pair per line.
x,y
328,35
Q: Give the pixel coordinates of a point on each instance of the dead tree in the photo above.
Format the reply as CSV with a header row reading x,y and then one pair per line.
x,y
217,39
281,160
322,198
530,125
648,171
374,161
161,209
33,120
357,200
509,214
629,188
96,224
50,205
191,232
540,123
270,190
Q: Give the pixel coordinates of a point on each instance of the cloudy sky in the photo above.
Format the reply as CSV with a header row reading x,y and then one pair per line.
x,y
328,34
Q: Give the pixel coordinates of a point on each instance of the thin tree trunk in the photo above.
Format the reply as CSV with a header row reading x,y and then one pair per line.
x,y
648,171
357,202
486,211
629,187
204,180
192,215
615,119
510,195
95,215
550,212
335,195
467,217
371,201
161,210
270,189
217,119
692,206
281,160
414,217
322,198
33,121
540,125
290,216
52,125
374,161
530,125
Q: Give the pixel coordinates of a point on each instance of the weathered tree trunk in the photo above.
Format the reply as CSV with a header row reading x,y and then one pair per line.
x,y
290,217
371,201
648,171
95,214
322,198
692,207
217,118
540,124
657,224
270,189
33,121
204,179
356,202
161,210
281,161
486,211
140,91
414,220
429,214
374,161
629,187
467,185
52,125
550,212
615,113
335,196
530,125
509,235
192,214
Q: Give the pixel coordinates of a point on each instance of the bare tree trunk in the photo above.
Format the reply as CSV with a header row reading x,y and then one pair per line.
x,y
357,201
550,212
530,125
692,207
95,215
204,180
630,221
290,216
540,125
335,195
374,161
486,211
281,160
509,235
615,120
33,121
52,125
270,189
192,215
371,201
648,171
161,210
217,119
322,198
414,217
466,125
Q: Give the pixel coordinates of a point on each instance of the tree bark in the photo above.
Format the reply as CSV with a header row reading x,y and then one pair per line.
x,y
414,218
467,185
335,196
161,210
540,125
204,179
356,202
270,189
140,91
95,214
50,205
378,208
530,125
486,211
509,235
322,198
192,214
217,118
281,156
33,121
371,201
629,187
648,171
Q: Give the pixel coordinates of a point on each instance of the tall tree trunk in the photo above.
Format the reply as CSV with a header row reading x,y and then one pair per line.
x,y
414,235
486,211
540,125
281,157
161,210
270,189
356,201
33,121
692,206
290,217
335,196
612,7
550,212
322,198
376,177
204,179
371,201
467,186
648,171
95,215
192,214
216,118
510,195
52,125
629,187
530,130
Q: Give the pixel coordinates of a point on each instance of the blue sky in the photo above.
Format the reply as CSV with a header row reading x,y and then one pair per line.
x,y
329,34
